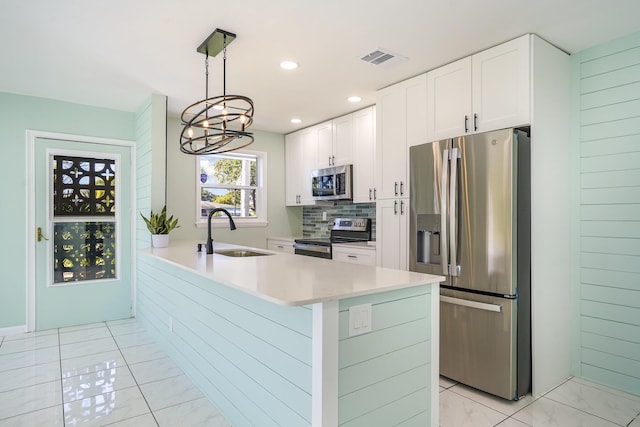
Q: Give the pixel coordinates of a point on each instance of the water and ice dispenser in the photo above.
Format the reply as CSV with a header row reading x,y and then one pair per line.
x,y
428,240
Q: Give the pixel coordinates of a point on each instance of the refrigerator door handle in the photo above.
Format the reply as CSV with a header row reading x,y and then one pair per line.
x,y
454,270
443,212
471,304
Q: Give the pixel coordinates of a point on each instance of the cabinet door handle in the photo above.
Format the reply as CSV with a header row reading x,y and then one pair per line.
x,y
396,188
369,194
402,188
279,246
395,207
401,207
375,196
352,256
333,160
475,122
466,123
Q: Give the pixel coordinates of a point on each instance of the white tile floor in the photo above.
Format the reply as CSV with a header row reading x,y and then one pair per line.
x,y
575,403
114,374
100,374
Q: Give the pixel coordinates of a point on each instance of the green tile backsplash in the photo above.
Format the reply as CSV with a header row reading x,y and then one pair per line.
x,y
314,226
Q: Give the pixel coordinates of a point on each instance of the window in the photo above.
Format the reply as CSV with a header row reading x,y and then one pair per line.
x,y
235,182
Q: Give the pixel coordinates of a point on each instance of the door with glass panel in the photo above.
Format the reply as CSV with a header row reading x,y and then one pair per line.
x,y
83,233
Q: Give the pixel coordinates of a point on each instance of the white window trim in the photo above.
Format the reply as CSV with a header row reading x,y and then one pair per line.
x,y
261,195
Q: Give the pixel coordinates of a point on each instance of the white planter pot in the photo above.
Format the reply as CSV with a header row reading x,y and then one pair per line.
x,y
160,240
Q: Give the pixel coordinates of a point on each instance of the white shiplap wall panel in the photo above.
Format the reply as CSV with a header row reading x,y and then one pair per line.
x,y
610,213
624,144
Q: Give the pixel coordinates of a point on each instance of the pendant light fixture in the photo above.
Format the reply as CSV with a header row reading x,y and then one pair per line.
x,y
217,124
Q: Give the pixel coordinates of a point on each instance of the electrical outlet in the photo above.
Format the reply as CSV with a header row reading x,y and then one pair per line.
x,y
359,319
324,216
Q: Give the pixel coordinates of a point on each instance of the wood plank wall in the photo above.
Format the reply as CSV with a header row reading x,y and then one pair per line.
x,y
143,172
251,358
609,133
387,384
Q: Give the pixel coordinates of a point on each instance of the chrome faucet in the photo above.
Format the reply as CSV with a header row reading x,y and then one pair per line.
x,y
232,226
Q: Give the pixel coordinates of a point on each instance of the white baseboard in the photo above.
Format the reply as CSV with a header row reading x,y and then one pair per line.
x,y
13,330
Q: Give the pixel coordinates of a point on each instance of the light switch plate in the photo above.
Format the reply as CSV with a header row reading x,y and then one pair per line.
x,y
359,319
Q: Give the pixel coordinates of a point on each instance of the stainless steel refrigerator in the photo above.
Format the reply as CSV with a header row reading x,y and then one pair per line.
x,y
470,221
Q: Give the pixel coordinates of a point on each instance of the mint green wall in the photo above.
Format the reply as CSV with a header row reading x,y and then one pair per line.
x,y
181,194
608,133
17,114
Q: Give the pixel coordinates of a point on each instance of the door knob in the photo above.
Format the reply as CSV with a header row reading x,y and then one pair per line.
x,y
40,236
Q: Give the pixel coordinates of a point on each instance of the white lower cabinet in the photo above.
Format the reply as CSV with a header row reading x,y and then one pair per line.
x,y
392,227
280,245
354,255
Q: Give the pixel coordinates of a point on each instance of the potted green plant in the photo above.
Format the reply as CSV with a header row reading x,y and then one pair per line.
x,y
160,226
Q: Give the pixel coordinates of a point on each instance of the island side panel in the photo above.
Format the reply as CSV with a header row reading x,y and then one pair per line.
x,y
251,358
386,375
324,407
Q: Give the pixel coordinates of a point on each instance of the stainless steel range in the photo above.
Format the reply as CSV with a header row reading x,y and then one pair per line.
x,y
343,230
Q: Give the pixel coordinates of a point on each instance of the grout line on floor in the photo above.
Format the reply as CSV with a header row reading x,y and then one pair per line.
x,y
134,377
490,407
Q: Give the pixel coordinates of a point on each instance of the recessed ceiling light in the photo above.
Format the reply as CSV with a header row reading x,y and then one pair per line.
x,y
288,65
295,121
354,99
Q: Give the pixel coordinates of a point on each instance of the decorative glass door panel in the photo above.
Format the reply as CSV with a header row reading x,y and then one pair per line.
x,y
84,218
84,231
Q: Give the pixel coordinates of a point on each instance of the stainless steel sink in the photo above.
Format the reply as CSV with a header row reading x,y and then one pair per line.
x,y
240,253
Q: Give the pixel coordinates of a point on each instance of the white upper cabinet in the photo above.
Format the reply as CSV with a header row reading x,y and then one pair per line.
x,y
309,143
335,142
364,145
401,121
300,154
449,100
416,116
293,157
342,140
325,145
501,85
487,91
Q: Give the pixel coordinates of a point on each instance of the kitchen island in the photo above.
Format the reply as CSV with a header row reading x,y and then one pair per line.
x,y
289,340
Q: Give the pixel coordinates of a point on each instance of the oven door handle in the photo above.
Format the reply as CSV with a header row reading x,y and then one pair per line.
x,y
313,248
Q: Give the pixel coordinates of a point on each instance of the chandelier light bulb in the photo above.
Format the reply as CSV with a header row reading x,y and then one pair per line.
x,y
190,132
205,123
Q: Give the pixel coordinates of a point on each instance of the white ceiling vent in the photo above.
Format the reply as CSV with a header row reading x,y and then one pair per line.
x,y
382,58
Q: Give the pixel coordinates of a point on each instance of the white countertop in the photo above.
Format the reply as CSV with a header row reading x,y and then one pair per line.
x,y
289,279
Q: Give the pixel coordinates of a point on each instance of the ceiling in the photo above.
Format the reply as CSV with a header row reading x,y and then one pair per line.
x,y
114,53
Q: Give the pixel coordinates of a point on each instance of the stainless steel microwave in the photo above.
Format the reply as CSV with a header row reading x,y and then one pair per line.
x,y
334,183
